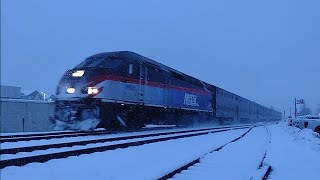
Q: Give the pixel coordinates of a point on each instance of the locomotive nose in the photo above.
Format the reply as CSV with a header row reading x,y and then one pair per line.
x,y
72,84
76,83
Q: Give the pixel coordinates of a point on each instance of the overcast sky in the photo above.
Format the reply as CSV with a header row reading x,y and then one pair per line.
x,y
267,51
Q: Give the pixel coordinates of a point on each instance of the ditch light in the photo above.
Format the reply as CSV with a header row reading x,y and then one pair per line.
x,y
93,90
71,90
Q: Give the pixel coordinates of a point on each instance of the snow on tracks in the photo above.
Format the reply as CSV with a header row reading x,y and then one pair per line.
x,y
148,161
239,159
63,153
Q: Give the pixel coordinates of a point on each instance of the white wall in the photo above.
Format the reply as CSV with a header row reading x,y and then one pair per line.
x,y
25,116
10,92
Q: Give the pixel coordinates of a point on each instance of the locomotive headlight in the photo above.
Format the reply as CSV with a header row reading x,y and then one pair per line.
x,y
71,90
93,90
78,73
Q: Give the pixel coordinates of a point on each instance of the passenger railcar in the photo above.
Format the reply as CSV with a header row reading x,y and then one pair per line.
x,y
126,90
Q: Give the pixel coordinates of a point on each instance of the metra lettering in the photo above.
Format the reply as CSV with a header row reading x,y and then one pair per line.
x,y
190,100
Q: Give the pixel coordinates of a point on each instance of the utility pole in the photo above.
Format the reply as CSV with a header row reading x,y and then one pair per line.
x,y
290,112
295,107
44,96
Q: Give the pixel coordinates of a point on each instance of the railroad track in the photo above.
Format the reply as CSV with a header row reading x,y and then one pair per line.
x,y
66,134
15,150
29,137
43,134
88,147
69,134
262,173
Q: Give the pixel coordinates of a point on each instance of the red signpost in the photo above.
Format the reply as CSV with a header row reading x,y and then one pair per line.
x,y
300,101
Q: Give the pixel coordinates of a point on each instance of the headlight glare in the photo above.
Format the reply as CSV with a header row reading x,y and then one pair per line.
x,y
78,73
93,90
71,90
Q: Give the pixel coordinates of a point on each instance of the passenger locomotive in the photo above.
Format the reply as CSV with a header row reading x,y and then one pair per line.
x,y
118,90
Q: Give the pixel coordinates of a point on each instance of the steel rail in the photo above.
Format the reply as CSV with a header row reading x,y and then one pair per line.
x,y
58,155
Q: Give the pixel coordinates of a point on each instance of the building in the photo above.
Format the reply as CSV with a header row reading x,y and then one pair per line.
x,y
10,92
36,95
24,115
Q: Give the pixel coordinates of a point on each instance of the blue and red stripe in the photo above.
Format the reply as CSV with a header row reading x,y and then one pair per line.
x,y
98,79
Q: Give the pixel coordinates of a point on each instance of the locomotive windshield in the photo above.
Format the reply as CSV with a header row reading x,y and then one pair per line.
x,y
100,62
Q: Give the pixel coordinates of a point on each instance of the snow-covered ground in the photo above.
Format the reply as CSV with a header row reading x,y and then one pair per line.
x,y
141,162
238,160
7,145
292,154
54,150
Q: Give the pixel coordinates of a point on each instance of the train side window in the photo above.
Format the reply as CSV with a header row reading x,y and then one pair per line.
x,y
130,69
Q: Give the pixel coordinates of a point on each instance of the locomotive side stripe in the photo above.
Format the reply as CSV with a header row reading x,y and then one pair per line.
x,y
97,79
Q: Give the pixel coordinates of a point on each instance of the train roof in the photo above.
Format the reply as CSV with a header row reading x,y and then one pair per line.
x,y
134,56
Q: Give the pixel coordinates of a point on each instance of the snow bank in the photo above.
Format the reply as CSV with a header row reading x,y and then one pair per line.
x,y
293,153
305,137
